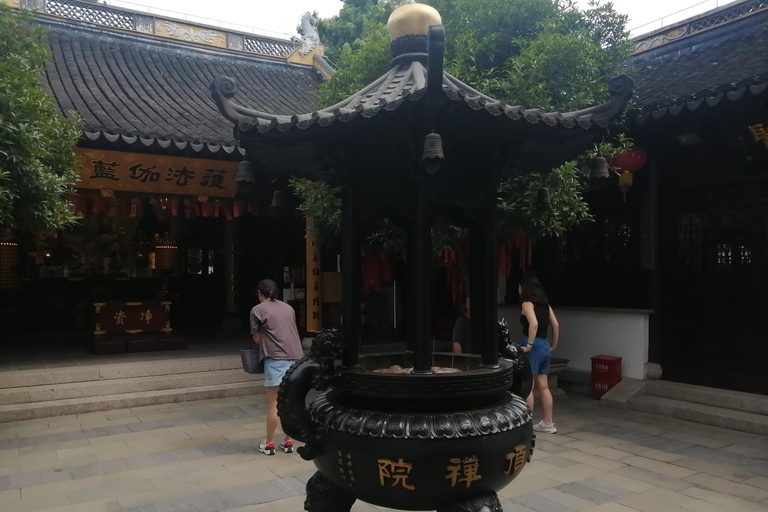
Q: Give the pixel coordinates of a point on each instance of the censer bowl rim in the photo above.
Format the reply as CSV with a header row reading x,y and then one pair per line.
x,y
504,366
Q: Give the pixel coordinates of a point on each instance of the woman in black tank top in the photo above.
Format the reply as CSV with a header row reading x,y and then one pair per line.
x,y
536,318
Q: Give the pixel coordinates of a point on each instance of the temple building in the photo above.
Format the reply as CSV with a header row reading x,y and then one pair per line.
x,y
161,236
673,270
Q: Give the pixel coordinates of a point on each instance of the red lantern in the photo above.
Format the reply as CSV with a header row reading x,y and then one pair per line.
x,y
631,161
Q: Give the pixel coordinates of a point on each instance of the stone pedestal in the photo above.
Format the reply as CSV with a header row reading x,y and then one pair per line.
x,y
557,365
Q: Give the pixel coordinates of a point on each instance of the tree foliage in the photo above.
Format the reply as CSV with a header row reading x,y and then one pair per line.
x,y
36,141
320,203
536,53
546,54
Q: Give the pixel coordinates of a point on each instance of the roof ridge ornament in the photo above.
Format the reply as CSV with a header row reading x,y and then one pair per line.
x,y
310,38
409,27
435,58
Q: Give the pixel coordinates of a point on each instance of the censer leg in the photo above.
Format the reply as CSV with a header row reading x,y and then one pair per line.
x,y
323,496
489,503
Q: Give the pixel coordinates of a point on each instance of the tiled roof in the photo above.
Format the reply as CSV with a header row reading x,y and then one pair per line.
x,y
416,91
724,63
133,90
408,82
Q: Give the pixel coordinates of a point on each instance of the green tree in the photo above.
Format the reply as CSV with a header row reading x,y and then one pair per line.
x,y
545,54
36,141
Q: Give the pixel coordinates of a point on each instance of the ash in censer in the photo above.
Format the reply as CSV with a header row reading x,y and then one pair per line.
x,y
399,369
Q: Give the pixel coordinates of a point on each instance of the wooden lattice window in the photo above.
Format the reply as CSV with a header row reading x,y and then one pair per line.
x,y
618,241
733,243
690,246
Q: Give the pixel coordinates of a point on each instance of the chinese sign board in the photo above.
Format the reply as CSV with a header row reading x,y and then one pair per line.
x,y
132,317
459,472
154,174
314,284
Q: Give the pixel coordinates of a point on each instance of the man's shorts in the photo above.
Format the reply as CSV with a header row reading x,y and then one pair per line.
x,y
275,369
539,355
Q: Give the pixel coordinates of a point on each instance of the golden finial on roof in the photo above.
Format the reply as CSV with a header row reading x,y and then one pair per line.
x,y
412,19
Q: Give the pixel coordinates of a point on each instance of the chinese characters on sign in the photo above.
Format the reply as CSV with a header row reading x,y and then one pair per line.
x,y
131,317
146,316
463,471
314,285
213,178
395,473
345,468
516,460
133,172
103,170
144,174
180,177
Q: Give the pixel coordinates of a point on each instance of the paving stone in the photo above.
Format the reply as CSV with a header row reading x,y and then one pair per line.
x,y
725,501
190,454
85,471
672,445
658,500
613,507
760,482
568,500
304,477
594,449
167,457
549,447
54,475
649,453
591,460
251,495
140,461
28,479
722,485
591,495
163,460
574,473
560,462
508,506
541,504
112,466
699,506
206,502
663,468
615,485
728,472
143,508
650,477
291,486
716,456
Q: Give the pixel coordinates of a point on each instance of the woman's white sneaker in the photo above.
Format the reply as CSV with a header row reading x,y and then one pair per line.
x,y
267,449
548,428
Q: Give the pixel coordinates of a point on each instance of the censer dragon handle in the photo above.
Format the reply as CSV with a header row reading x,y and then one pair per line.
x,y
316,370
522,382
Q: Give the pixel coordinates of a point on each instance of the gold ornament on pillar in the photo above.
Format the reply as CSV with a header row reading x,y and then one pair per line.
x,y
314,283
9,260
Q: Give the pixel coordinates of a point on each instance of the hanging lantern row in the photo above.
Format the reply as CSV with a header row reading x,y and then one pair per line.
x,y
203,206
521,246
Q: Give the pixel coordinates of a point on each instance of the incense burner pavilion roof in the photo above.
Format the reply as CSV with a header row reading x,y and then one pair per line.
x,y
416,96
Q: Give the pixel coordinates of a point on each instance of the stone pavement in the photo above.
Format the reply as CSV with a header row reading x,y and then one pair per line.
x,y
201,457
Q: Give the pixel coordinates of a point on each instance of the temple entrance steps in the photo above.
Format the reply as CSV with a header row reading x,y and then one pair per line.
x,y
733,410
29,394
